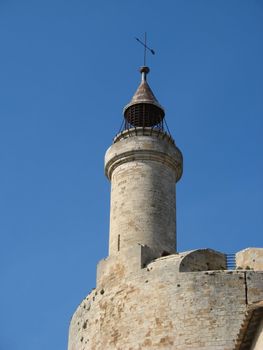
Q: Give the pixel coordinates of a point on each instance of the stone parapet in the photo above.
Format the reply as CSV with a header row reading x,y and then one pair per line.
x,y
161,308
250,259
142,144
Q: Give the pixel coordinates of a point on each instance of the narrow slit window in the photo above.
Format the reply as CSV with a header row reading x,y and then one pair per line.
x,y
119,242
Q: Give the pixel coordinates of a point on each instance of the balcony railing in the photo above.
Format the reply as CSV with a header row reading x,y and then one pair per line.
x,y
231,261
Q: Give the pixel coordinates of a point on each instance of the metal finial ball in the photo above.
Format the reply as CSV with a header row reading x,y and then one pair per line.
x,y
145,69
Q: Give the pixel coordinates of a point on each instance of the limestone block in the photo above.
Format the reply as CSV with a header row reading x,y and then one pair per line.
x,y
202,260
254,286
114,269
250,259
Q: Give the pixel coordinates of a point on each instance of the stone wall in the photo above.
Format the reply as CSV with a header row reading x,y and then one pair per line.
x,y
159,307
202,260
250,259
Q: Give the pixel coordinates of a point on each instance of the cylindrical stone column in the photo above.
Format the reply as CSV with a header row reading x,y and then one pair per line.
x,y
143,166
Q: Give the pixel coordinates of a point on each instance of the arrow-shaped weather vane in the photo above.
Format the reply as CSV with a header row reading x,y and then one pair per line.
x,y
144,44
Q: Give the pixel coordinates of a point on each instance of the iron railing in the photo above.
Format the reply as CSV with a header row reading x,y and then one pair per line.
x,y
230,261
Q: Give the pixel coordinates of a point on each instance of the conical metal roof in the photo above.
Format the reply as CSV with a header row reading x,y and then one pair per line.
x,y
144,108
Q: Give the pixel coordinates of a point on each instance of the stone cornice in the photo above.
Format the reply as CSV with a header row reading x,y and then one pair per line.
x,y
173,161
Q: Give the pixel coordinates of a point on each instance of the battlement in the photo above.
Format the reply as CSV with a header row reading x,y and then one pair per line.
x,y
181,301
250,259
139,257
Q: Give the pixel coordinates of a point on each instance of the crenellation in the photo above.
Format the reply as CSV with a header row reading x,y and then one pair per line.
x,y
250,259
215,298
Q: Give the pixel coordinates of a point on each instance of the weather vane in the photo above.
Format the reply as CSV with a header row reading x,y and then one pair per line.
x,y
144,44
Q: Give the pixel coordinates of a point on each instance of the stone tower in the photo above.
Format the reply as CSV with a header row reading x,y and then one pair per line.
x,y
148,295
143,165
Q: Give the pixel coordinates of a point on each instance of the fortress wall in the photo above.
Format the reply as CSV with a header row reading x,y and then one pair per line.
x,y
112,269
254,281
161,308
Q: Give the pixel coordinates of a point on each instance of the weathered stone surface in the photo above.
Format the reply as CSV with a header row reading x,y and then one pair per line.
x,y
159,307
250,259
144,298
202,260
143,171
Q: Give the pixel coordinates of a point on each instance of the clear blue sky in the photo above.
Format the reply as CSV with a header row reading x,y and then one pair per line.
x,y
67,68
